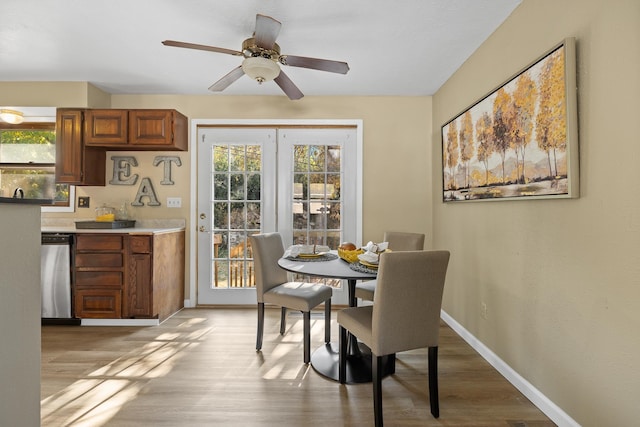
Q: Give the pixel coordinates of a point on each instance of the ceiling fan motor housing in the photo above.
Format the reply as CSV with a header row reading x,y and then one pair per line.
x,y
251,49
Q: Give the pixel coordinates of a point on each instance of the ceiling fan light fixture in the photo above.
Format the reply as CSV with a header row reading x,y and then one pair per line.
x,y
260,69
11,116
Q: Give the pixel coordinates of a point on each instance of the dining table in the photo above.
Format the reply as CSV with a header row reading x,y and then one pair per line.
x,y
324,360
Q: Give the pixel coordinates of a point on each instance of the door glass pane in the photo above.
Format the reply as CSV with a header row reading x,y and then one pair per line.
x,y
316,204
253,186
236,213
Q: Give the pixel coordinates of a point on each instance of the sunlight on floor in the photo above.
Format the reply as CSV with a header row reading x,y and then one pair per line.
x,y
95,399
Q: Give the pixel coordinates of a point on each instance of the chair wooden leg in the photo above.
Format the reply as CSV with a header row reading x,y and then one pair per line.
x,y
391,363
433,381
342,356
307,336
283,320
376,373
260,326
327,321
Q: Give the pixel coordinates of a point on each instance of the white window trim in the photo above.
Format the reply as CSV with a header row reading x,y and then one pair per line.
x,y
70,208
193,196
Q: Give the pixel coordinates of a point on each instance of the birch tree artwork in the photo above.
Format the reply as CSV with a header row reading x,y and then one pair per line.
x,y
515,142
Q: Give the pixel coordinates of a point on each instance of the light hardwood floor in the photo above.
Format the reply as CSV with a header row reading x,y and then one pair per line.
x,y
200,368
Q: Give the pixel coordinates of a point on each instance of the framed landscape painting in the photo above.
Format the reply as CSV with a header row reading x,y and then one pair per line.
x,y
521,140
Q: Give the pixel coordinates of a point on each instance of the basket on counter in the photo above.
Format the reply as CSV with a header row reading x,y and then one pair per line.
x,y
350,256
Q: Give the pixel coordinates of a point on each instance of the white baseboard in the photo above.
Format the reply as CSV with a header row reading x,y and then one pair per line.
x,y
550,409
119,322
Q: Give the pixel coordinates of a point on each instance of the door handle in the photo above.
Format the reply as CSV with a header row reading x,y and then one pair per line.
x,y
203,216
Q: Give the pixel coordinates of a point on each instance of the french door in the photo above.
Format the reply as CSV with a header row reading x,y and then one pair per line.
x,y
253,180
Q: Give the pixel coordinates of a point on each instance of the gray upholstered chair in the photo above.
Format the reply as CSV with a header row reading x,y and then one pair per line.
x,y
405,315
398,241
273,287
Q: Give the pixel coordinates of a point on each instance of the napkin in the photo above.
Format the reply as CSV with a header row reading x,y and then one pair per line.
x,y
296,250
372,251
370,257
376,247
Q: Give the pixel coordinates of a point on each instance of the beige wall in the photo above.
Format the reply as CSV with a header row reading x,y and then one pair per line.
x,y
560,278
53,94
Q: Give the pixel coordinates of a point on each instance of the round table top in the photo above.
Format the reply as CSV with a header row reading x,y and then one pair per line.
x,y
335,268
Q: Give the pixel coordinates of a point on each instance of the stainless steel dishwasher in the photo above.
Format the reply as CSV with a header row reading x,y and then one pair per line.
x,y
56,278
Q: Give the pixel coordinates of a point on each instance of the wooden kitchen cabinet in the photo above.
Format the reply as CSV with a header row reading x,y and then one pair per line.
x,y
84,135
139,288
106,128
76,163
158,130
155,129
154,287
99,264
129,275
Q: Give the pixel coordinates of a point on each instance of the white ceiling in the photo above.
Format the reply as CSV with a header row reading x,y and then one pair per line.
x,y
405,47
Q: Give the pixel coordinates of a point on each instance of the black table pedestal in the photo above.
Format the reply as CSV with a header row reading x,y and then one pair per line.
x,y
325,362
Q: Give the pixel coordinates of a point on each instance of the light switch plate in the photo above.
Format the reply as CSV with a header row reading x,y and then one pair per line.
x,y
174,202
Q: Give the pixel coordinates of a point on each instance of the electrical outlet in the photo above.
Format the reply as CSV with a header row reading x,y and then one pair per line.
x,y
83,202
174,202
483,310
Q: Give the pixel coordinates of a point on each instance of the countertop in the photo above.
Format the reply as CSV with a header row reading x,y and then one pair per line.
x,y
154,226
20,201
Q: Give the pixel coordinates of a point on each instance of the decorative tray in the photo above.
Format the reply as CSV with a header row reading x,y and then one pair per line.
x,y
106,224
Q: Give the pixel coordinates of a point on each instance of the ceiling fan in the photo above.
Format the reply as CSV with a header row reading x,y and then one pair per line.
x,y
262,59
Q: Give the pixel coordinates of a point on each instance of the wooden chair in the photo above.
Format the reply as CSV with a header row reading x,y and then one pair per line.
x,y
272,287
405,315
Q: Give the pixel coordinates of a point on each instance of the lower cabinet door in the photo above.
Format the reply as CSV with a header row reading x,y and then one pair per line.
x,y
98,303
138,287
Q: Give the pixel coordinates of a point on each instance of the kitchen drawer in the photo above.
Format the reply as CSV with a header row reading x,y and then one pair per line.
x,y
98,304
99,279
99,260
140,244
99,242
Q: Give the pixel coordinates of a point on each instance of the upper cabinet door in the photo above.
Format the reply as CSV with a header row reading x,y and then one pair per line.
x,y
161,129
75,163
105,127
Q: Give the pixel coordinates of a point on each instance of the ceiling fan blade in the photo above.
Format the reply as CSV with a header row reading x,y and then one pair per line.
x,y
201,47
315,63
224,82
288,87
267,30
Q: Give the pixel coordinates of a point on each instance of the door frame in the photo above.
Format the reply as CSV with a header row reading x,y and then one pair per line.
x,y
191,300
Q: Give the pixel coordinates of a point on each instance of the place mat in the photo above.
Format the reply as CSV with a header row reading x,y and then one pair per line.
x,y
356,266
322,257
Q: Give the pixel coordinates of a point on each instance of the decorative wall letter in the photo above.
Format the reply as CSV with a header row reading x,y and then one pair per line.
x,y
146,189
167,167
122,169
